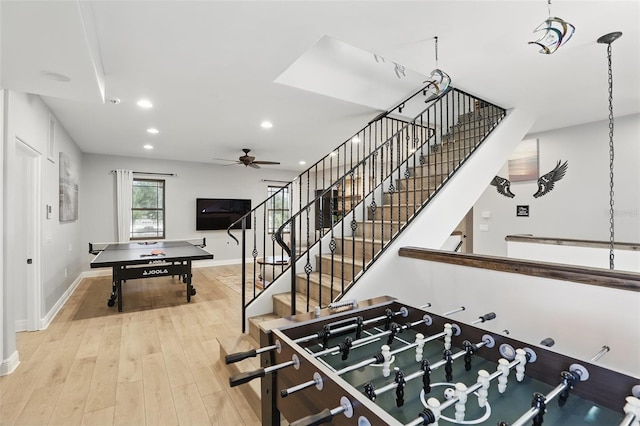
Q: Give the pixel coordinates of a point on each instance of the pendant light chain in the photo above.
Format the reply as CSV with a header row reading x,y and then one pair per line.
x,y
611,210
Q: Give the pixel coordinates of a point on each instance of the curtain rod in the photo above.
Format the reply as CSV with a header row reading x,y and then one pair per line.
x,y
152,173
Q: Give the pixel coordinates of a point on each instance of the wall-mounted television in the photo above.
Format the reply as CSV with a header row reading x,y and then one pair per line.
x,y
220,213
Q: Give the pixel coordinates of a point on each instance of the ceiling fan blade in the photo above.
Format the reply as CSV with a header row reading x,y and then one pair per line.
x,y
253,165
265,162
223,159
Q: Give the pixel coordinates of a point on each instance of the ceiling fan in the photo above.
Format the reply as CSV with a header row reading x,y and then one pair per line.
x,y
249,160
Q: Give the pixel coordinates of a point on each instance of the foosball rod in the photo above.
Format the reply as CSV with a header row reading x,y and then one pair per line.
x,y
425,414
374,359
369,339
600,353
576,374
487,340
239,356
327,414
247,376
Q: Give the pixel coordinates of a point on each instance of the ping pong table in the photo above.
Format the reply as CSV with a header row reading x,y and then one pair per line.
x,y
146,259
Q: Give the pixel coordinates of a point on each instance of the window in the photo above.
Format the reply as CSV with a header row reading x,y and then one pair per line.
x,y
277,207
147,209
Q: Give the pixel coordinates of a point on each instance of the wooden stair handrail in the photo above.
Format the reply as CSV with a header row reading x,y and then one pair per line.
x,y
621,280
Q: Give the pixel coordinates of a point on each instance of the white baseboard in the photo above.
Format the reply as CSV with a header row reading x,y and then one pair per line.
x,y
10,364
22,325
44,322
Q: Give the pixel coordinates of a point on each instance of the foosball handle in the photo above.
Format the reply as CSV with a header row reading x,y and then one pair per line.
x,y
359,327
239,356
488,317
246,377
323,416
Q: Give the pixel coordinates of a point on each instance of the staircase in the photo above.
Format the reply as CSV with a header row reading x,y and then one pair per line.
x,y
361,206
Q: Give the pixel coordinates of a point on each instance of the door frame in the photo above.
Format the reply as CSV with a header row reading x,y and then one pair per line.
x,y
33,192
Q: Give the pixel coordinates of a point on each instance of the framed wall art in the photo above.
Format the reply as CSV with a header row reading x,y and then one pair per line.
x,y
523,162
68,189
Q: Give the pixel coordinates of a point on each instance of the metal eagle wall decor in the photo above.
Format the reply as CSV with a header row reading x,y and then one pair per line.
x,y
545,182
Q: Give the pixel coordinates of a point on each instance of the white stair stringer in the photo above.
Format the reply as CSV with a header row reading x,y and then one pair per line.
x,y
433,225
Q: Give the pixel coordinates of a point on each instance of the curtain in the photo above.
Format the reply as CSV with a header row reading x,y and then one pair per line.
x,y
124,195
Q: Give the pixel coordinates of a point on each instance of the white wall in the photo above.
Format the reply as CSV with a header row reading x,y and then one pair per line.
x,y
27,119
579,317
578,206
3,366
575,254
193,180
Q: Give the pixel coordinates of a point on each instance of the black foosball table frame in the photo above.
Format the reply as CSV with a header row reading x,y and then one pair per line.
x,y
606,388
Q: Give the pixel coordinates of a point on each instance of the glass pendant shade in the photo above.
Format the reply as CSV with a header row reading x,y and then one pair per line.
x,y
436,84
557,32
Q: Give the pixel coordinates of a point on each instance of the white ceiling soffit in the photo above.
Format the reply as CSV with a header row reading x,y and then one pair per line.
x,y
339,70
58,54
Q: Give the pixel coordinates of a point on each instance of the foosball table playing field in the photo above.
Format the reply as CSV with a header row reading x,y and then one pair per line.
x,y
379,362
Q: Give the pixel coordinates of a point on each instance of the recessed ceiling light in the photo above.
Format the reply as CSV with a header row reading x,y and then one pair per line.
x,y
147,146
355,139
56,76
266,124
302,163
144,103
153,131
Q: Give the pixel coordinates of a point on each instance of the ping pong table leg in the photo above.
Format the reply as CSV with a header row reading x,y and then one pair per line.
x,y
114,288
190,290
119,284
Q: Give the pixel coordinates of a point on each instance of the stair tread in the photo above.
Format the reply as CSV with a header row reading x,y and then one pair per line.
x,y
301,301
259,319
347,259
362,239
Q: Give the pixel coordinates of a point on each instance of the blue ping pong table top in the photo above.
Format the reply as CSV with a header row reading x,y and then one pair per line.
x,y
137,253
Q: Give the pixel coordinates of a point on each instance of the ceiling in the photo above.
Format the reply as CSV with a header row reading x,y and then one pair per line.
x,y
212,68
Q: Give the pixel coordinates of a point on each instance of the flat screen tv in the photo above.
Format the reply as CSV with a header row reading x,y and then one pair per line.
x,y
220,213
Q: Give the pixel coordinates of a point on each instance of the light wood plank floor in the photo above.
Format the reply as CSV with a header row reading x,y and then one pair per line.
x,y
155,363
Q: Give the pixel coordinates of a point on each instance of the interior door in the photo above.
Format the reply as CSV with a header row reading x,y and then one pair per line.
x,y
26,290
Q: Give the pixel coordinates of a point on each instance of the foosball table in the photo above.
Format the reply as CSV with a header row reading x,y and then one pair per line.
x,y
380,362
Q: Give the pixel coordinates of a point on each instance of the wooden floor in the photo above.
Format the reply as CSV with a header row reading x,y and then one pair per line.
x,y
155,363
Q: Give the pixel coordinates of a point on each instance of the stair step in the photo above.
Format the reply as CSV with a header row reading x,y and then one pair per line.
x,y
442,156
255,322
417,182
413,197
392,212
377,229
315,280
435,169
282,304
250,391
358,247
343,266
